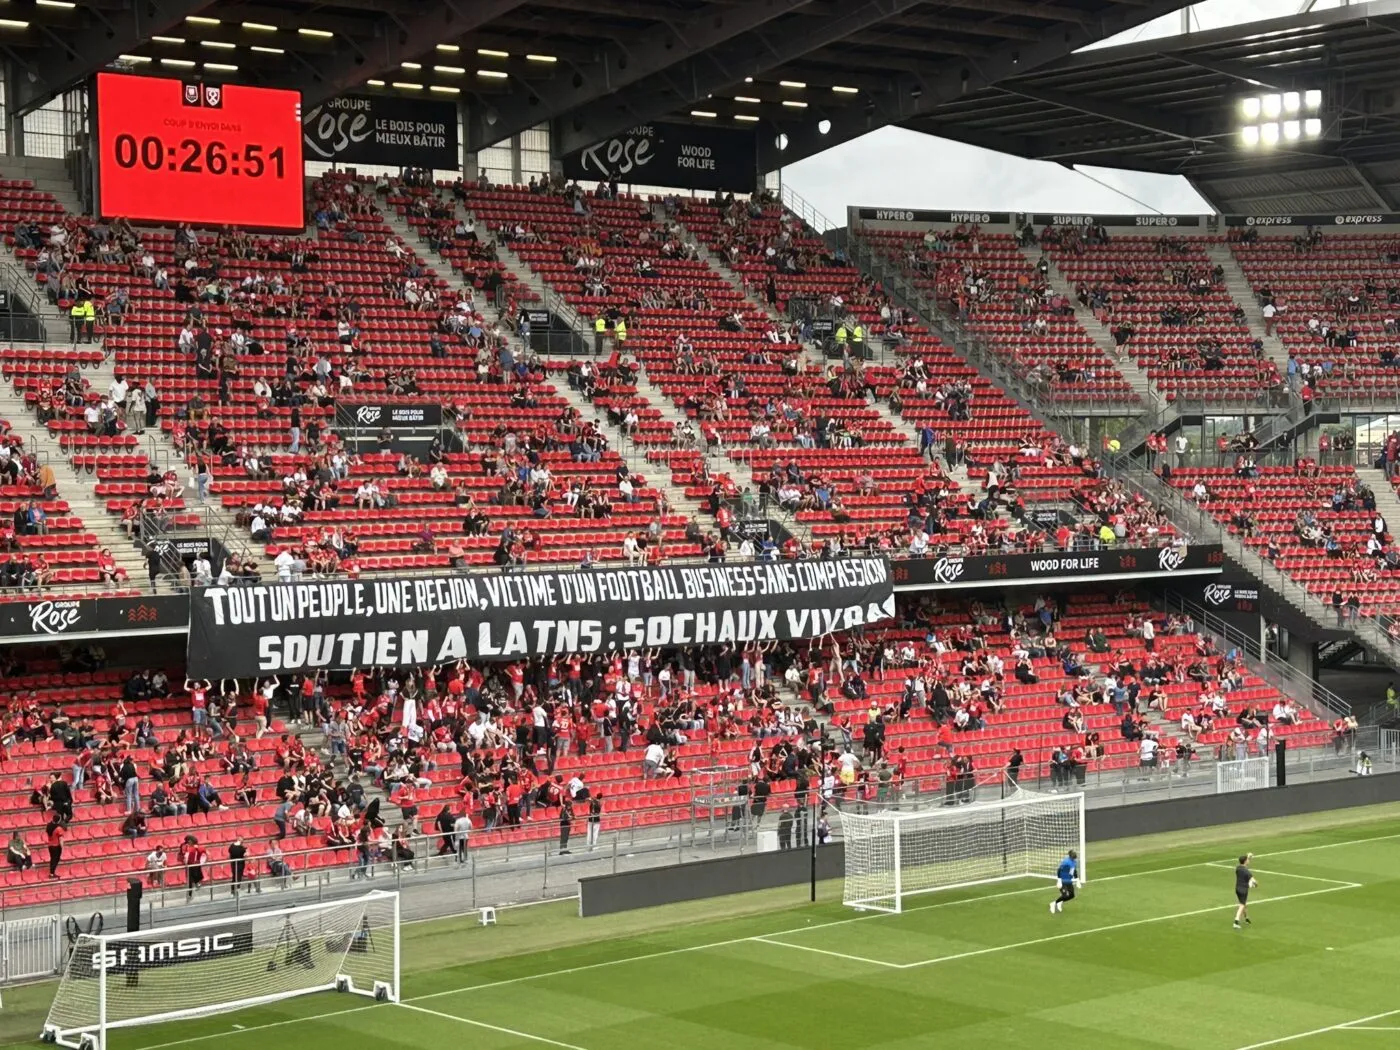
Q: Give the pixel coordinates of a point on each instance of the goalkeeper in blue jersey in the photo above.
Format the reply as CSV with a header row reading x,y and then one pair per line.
x,y
1067,874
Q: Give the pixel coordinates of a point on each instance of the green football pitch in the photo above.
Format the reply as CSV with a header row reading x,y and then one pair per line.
x,y
1145,957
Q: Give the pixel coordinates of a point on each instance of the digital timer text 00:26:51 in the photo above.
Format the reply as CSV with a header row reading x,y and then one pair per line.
x,y
198,158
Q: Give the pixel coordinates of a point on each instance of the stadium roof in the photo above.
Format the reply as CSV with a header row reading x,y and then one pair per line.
x,y
598,66
1170,106
809,74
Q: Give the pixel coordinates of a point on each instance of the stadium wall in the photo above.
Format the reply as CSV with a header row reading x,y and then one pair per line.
x,y
652,887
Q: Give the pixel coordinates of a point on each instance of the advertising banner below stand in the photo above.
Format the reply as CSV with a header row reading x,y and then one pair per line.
x,y
382,129
945,218
56,617
242,631
1043,219
1009,570
686,156
1230,596
378,415
1375,218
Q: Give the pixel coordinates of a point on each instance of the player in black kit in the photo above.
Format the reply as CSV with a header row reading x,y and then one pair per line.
x,y
1244,882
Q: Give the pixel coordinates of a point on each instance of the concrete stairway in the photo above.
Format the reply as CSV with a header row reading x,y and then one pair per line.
x,y
1237,284
1126,362
1386,500
49,175
75,488
675,495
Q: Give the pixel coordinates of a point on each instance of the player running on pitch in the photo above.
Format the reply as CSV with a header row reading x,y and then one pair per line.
x,y
1068,875
1244,882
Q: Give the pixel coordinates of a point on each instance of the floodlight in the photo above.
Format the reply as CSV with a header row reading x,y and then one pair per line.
x,y
1249,134
1249,107
1268,133
1292,101
1273,106
1292,130
1312,127
1312,99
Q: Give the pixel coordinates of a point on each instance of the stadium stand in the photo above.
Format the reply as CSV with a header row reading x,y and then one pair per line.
x,y
1027,676
983,278
1164,300
1333,300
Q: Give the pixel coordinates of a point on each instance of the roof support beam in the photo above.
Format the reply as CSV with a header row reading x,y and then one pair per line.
x,y
936,24
909,42
398,38
1144,117
713,71
911,100
1369,185
626,62
996,141
1026,9
75,56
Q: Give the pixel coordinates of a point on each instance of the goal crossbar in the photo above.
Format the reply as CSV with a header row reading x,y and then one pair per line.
x,y
894,854
196,969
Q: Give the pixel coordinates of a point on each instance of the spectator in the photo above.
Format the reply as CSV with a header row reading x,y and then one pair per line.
x,y
156,862
53,834
17,853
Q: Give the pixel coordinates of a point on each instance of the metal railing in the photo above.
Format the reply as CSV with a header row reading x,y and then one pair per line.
x,y
804,210
1278,672
1370,629
28,325
1048,401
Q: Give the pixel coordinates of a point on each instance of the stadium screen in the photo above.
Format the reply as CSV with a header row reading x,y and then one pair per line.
x,y
176,151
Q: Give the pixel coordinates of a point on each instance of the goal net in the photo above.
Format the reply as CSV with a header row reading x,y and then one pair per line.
x,y
892,854
163,974
1242,774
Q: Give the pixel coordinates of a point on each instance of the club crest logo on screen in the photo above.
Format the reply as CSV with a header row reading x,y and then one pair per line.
x,y
213,96
191,95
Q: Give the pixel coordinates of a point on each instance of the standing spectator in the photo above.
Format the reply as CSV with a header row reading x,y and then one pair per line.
x,y
595,819
199,699
131,785
61,799
237,859
155,866
461,831
54,833
192,859
1013,767
566,823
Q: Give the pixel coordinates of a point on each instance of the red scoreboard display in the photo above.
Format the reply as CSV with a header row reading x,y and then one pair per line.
x,y
173,151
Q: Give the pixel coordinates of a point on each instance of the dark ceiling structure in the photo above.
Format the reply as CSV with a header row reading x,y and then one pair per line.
x,y
807,74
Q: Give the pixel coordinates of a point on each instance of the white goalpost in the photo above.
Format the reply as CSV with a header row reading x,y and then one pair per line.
x,y
892,854
125,979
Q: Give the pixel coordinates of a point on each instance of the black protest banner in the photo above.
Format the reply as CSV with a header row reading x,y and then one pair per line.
x,y
382,129
1009,570
686,156
239,631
